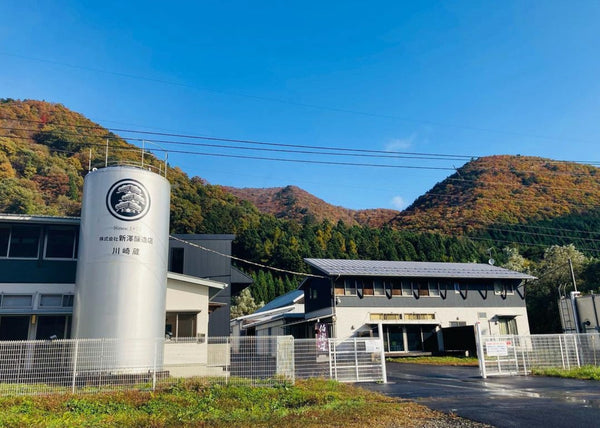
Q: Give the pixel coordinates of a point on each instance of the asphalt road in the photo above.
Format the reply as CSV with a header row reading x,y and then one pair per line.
x,y
512,401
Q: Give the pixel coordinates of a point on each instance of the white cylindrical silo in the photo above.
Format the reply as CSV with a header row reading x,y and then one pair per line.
x,y
121,276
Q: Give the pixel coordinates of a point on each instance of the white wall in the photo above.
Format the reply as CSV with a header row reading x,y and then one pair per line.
x,y
359,318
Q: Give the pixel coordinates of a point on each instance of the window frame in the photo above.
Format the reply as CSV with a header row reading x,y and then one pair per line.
x,y
407,288
74,248
5,295
434,288
8,229
38,239
379,291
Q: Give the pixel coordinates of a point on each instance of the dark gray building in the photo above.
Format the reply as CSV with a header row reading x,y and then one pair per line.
x,y
207,256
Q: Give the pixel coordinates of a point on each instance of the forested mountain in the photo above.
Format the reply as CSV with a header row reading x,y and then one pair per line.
x,y
512,208
46,150
504,190
293,203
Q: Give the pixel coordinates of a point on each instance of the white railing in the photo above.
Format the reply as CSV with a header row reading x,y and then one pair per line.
x,y
89,365
518,355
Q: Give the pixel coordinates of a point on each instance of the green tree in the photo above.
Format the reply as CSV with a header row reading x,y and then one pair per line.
x,y
553,273
244,304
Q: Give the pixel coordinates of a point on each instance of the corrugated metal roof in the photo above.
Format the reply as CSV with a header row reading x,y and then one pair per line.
x,y
335,267
287,299
37,219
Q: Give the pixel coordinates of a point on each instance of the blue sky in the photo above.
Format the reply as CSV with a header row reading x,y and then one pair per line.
x,y
459,78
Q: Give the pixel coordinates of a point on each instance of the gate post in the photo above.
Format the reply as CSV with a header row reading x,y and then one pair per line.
x,y
480,355
383,366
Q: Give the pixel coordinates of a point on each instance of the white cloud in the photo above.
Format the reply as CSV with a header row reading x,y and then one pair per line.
x,y
399,144
398,202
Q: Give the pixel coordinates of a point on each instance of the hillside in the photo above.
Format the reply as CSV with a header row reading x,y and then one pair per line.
x,y
293,203
499,191
46,150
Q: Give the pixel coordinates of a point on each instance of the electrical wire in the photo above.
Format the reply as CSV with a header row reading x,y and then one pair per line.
x,y
290,272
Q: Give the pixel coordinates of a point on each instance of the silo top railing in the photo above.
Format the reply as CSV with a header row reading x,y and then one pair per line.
x,y
143,163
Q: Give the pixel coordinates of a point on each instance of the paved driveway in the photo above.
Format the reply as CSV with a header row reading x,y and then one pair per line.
x,y
517,401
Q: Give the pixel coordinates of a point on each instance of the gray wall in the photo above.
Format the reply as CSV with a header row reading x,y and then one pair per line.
x,y
205,264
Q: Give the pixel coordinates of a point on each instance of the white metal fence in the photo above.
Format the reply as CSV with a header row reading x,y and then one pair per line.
x,y
88,365
518,355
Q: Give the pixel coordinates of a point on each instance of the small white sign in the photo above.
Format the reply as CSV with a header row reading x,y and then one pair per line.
x,y
496,349
372,346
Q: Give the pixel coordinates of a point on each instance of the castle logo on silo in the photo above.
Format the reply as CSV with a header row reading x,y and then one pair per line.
x,y
128,200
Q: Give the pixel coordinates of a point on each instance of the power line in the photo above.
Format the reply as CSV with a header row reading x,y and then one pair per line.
x,y
290,272
245,141
300,104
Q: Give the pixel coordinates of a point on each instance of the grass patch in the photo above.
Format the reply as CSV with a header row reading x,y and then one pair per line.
x,y
438,361
195,403
585,372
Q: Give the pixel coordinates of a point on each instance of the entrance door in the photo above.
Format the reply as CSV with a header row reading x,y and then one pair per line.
x,y
14,327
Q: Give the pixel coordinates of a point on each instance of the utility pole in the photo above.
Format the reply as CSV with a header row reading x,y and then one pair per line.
x,y
572,274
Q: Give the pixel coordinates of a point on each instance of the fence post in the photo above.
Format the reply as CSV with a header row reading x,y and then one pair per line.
x,y
562,355
522,345
154,364
20,362
330,360
480,355
575,341
228,357
514,344
383,366
356,358
75,357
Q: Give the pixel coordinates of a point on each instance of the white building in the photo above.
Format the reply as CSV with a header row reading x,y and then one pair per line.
x,y
414,306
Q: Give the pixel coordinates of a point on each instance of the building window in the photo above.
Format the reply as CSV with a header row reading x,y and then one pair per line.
x,y
458,323
61,243
385,317
507,325
4,239
14,327
180,325
503,288
350,287
406,287
378,289
67,300
56,301
51,300
423,288
24,242
17,300
419,317
457,287
368,287
176,264
434,288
